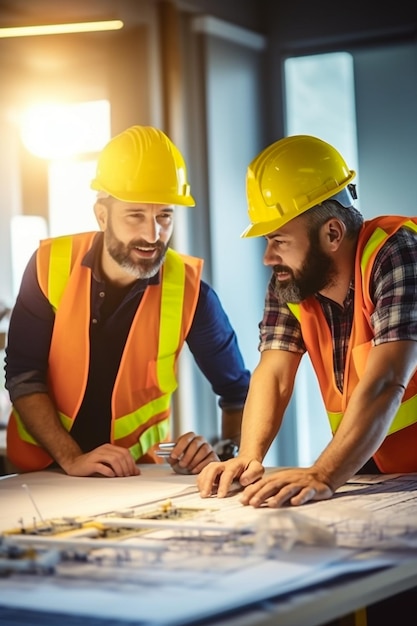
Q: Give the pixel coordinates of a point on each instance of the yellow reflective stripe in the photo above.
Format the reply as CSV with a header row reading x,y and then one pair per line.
x,y
295,310
25,436
376,238
411,225
405,416
373,242
334,419
65,421
173,286
23,433
124,426
59,268
151,436
172,298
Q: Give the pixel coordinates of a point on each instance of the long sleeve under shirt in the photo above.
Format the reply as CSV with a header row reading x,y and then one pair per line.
x,y
211,340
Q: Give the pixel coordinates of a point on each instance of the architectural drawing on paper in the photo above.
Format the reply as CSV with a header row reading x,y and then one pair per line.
x,y
173,536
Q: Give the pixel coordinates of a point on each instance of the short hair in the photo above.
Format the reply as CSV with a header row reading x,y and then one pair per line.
x,y
106,200
351,217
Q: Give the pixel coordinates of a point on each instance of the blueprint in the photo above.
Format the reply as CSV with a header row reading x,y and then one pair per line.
x,y
113,548
371,512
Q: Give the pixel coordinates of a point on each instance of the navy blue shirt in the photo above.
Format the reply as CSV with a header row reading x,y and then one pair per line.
x,y
211,339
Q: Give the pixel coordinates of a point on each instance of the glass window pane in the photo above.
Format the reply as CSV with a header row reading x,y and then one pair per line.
x,y
320,101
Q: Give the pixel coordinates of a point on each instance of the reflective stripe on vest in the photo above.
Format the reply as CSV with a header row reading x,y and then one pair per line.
x,y
59,269
154,434
169,333
62,252
407,412
172,297
169,336
149,438
127,424
295,310
405,416
378,236
23,433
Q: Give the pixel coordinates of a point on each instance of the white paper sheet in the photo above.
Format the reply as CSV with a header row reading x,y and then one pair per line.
x,y
177,575
58,495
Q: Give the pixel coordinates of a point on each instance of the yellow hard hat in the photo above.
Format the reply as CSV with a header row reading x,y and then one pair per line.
x,y
291,176
141,164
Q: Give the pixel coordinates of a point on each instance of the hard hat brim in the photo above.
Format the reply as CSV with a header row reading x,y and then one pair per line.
x,y
147,198
260,229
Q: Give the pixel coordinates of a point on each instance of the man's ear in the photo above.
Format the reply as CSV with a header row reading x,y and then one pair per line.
x,y
100,211
333,233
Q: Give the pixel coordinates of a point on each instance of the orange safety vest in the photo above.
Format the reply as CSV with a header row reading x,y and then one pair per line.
x,y
146,380
398,452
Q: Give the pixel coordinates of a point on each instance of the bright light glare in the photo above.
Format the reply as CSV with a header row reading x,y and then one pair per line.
x,y
26,231
54,131
60,29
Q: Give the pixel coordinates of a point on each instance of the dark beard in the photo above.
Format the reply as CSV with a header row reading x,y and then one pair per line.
x,y
142,268
318,271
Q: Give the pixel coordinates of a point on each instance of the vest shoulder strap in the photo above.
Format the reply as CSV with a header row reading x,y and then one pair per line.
x,y
55,260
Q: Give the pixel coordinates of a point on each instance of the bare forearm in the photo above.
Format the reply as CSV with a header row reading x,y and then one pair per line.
x,y
371,409
269,392
41,420
263,414
356,440
259,428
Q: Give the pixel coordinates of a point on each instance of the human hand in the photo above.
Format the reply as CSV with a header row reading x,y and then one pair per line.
x,y
108,460
293,486
191,453
218,477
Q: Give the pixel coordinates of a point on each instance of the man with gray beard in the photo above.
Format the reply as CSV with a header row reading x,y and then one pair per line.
x,y
100,321
343,289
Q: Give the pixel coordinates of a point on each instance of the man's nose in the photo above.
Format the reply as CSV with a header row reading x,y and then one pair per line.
x,y
270,257
152,230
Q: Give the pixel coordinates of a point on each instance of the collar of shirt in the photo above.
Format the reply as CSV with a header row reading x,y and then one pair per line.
x,y
347,301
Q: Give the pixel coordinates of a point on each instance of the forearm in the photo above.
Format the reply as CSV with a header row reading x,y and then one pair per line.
x,y
40,418
260,425
361,432
263,413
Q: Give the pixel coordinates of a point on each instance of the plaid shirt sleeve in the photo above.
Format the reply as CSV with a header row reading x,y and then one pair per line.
x,y
394,289
279,329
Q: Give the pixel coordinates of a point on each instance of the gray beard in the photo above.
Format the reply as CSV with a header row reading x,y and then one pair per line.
x,y
141,272
317,272
287,293
120,253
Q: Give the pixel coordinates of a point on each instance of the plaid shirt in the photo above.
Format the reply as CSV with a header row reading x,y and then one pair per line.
x,y
393,291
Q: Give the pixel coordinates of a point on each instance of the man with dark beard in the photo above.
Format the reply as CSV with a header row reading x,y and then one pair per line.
x,y
344,291
99,323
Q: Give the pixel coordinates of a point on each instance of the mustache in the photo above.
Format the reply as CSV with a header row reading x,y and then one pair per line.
x,y
281,268
145,245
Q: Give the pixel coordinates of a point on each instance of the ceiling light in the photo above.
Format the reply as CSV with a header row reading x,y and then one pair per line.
x,y
60,29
